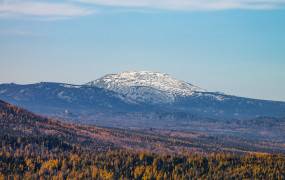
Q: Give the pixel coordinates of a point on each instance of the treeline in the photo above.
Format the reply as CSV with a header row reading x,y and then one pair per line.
x,y
51,158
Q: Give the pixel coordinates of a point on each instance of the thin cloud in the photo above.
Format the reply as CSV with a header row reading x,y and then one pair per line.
x,y
41,9
192,4
56,10
18,33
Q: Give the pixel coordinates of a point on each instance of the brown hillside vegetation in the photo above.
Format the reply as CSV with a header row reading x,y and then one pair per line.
x,y
21,123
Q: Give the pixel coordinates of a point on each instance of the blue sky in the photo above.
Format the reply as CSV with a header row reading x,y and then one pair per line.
x,y
233,46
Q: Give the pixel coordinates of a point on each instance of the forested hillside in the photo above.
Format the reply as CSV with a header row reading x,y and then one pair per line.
x,y
34,147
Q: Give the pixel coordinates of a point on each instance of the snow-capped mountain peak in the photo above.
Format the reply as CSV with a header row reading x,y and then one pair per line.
x,y
145,86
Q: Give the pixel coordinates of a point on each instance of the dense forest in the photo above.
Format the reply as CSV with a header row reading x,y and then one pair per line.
x,y
51,158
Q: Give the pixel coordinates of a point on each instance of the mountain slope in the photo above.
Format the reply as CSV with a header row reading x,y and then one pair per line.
x,y
63,100
18,123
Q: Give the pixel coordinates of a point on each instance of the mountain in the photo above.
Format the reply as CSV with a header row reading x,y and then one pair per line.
x,y
137,99
146,87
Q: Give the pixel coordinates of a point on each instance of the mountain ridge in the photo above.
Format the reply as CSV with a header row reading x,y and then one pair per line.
x,y
131,77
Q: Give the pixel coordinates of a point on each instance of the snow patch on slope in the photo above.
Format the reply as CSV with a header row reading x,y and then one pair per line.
x,y
3,91
70,86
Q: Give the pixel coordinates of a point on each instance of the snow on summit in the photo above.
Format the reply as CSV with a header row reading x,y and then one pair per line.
x,y
146,86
